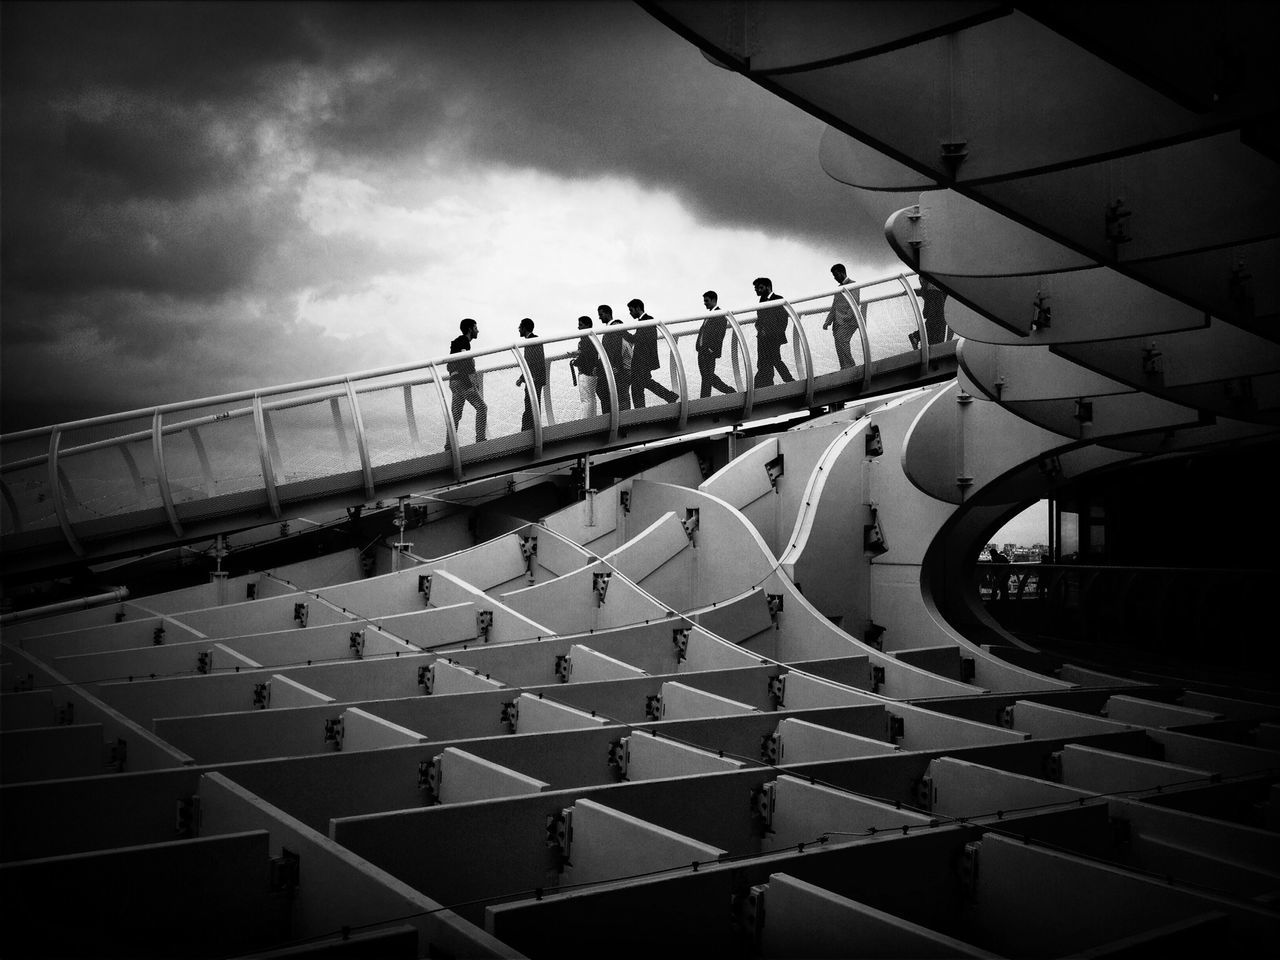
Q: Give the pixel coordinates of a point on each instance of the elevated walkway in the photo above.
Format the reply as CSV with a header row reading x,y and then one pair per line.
x,y
143,479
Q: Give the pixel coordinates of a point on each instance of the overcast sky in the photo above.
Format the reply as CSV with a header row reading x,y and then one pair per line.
x,y
204,198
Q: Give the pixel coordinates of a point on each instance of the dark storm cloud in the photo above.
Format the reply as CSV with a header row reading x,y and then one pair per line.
x,y
136,194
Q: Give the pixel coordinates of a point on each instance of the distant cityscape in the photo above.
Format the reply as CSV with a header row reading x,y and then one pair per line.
x,y
1017,552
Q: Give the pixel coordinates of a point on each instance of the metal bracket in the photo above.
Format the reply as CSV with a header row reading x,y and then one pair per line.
x,y
1152,362
511,715
529,550
874,443
115,755
356,644
300,611
968,669
285,872
23,684
897,727
1041,312
771,748
600,585
952,153
680,640
484,625
873,636
204,661
334,732
926,793
564,667
653,707
1053,767
429,774
1117,222
186,821
774,468
877,678
1004,717
560,835
1084,411
873,540
620,756
624,499
691,523
762,805
748,914
424,588
157,636
774,601
251,591
427,678
66,715
778,690
262,695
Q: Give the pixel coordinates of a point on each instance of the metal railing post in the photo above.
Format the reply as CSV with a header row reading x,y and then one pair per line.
x,y
607,367
531,395
682,379
748,375
861,320
362,443
919,314
801,350
162,475
264,456
55,491
451,433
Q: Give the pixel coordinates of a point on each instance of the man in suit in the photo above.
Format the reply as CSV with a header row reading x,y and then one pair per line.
x,y
615,350
709,346
771,334
535,359
644,360
841,319
587,362
464,382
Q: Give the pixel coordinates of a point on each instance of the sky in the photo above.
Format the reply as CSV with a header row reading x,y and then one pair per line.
x,y
204,198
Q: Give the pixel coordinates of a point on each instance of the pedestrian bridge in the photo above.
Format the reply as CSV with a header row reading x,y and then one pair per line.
x,y
181,472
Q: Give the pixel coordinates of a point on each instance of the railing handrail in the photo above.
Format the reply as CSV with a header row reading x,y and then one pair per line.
x,y
379,372
1070,566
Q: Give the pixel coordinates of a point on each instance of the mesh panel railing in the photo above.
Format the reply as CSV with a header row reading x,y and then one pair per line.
x,y
216,456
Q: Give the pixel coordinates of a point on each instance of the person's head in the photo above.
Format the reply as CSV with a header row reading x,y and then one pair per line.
x,y
526,327
584,322
470,329
709,299
763,286
635,308
605,313
838,271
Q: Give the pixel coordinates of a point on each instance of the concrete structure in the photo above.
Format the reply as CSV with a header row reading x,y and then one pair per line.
x,y
741,696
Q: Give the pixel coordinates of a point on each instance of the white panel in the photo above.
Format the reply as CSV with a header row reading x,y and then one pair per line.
x,y
608,844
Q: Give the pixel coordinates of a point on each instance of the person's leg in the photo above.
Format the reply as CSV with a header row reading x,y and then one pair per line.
x,y
764,364
782,367
482,414
706,372
843,334
639,380
526,421
457,399
602,391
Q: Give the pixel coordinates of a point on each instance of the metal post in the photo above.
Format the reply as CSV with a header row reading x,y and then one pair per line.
x,y
748,374
681,378
162,474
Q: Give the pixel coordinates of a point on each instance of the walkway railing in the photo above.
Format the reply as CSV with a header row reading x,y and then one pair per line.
x,y
181,471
